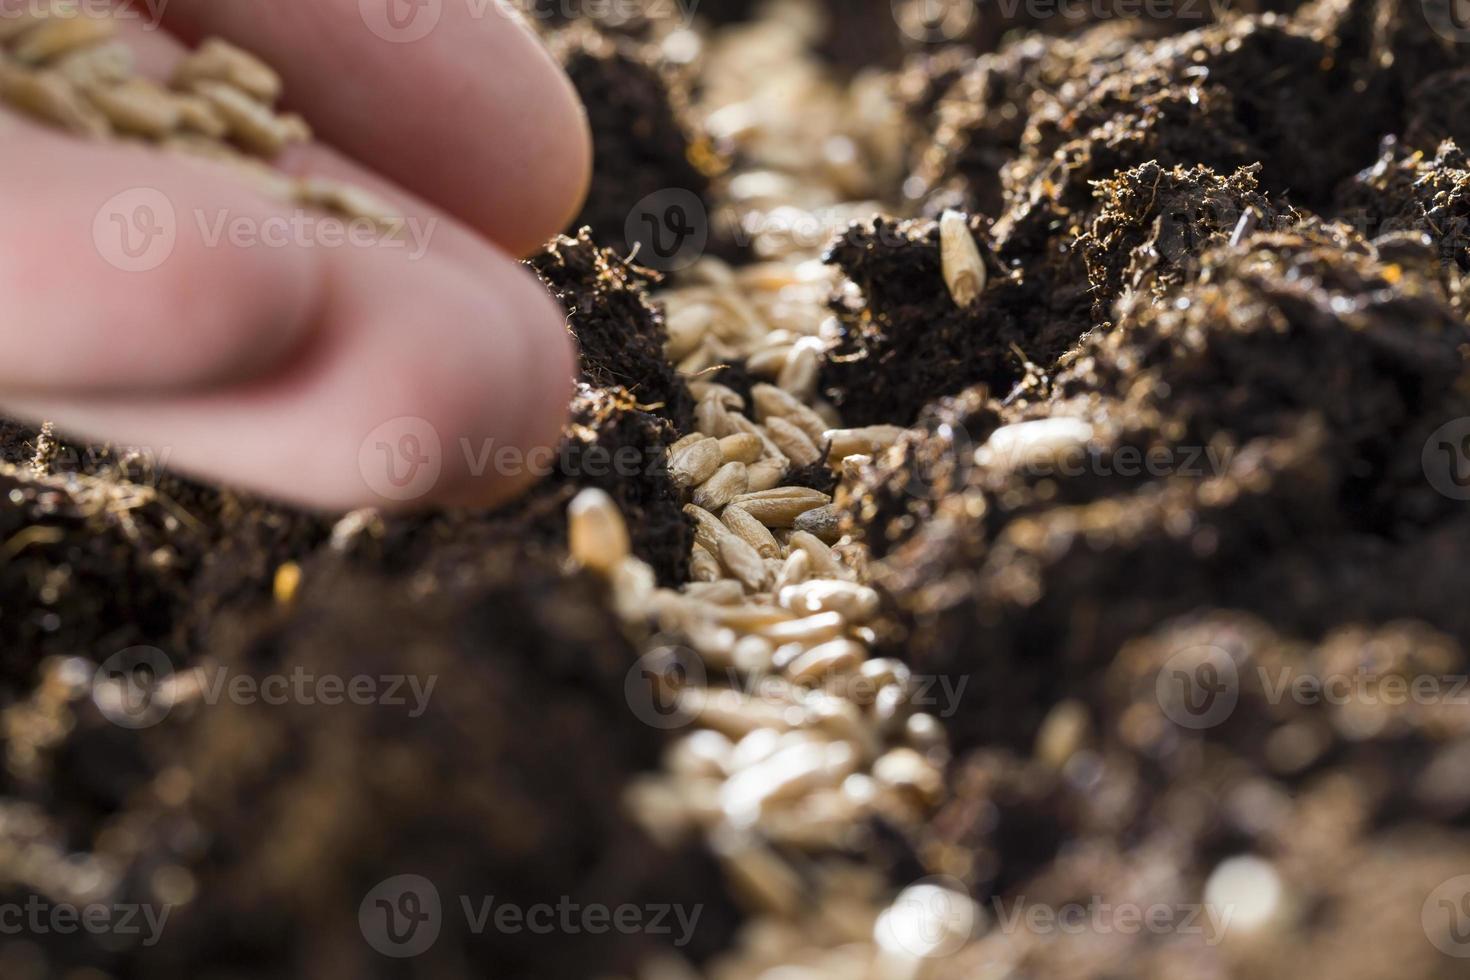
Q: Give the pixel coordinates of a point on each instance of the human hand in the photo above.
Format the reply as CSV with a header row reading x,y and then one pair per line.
x,y
293,367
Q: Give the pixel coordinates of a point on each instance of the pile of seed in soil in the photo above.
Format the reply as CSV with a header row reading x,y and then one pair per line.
x,y
1033,364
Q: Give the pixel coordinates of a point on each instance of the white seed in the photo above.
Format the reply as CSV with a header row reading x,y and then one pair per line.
x,y
907,770
960,259
711,418
100,64
253,125
1038,444
808,630
597,534
769,363
696,463
633,584
869,441
686,442
728,482
833,657
795,570
780,507
799,373
792,441
755,534
686,327
856,603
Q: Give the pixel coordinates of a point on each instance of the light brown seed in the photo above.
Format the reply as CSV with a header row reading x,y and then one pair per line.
x,y
101,64
686,327
253,125
687,441
824,563
754,533
781,506
696,463
703,566
792,441
727,483
771,401
60,35
833,657
198,115
743,447
138,106
711,418
721,593
823,522
749,617
769,362
766,475
348,201
707,528
758,873
217,60
726,396
960,260
597,535
47,96
1064,731
739,424
869,441
741,561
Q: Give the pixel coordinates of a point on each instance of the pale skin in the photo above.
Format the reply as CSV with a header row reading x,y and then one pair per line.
x,y
266,367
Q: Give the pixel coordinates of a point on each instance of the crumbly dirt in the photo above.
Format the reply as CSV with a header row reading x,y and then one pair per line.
x,y
1192,418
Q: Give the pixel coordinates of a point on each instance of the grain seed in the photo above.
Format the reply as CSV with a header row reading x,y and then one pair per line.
x,y
61,35
795,570
868,441
253,125
824,563
217,60
754,533
728,482
741,561
766,475
49,97
823,522
799,373
597,534
856,603
703,566
808,630
781,506
833,657
960,259
696,463
707,528
743,447
138,106
792,441
773,402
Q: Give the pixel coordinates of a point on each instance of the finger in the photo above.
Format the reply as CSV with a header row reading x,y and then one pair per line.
x,y
458,103
418,379
112,279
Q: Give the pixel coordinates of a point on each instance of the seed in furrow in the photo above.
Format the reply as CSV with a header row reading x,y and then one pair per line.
x,y
793,442
754,533
696,463
781,506
728,482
